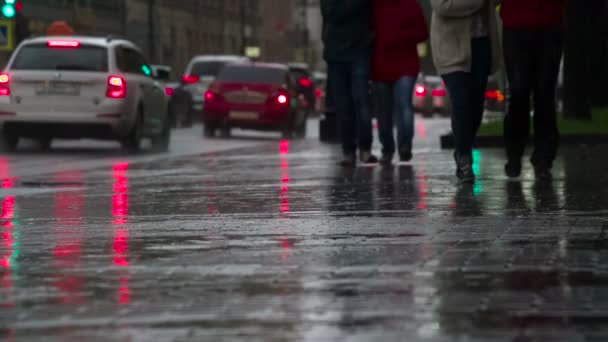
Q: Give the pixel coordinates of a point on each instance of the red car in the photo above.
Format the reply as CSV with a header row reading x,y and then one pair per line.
x,y
257,96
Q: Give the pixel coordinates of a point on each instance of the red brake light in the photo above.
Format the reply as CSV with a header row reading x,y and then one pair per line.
x,y
63,43
190,79
438,92
169,91
420,91
116,87
5,79
282,99
209,95
305,82
318,93
491,94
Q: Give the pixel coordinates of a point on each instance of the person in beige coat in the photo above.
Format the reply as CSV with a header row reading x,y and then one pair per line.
x,y
466,50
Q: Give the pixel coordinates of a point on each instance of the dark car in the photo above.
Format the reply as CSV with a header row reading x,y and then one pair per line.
x,y
252,95
306,87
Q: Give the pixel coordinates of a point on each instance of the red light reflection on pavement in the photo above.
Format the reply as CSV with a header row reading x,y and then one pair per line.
x,y
422,186
421,130
120,240
284,242
8,253
67,251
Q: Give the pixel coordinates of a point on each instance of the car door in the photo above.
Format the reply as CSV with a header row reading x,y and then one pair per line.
x,y
151,91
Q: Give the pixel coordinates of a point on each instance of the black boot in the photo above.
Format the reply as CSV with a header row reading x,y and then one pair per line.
x,y
405,153
464,169
513,168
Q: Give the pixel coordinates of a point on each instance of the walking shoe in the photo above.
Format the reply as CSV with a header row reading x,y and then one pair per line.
x,y
386,159
464,169
542,170
405,153
513,168
349,159
366,157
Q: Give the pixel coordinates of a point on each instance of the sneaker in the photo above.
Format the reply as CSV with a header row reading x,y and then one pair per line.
x,y
513,168
386,159
405,153
349,159
366,157
464,169
542,170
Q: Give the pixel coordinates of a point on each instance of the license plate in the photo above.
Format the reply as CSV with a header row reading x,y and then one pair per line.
x,y
244,115
58,88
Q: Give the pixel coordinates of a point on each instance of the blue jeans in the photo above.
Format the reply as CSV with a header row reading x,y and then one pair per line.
x,y
467,91
349,82
394,99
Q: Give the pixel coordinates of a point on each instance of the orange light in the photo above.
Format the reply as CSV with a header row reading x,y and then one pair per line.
x,y
4,78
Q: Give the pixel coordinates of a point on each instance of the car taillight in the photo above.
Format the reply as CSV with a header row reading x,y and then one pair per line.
x,y
494,95
420,91
190,79
169,91
209,96
438,92
5,79
63,43
117,87
318,93
282,99
305,82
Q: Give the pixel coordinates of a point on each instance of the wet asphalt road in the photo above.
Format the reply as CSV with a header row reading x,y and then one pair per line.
x,y
258,239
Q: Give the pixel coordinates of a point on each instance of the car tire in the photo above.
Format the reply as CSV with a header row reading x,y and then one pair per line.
x,y
161,142
8,142
301,130
225,132
209,131
132,142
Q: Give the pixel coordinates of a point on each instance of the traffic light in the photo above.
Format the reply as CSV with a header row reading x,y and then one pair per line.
x,y
10,8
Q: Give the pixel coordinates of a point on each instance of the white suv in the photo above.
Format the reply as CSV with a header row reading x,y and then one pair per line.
x,y
81,87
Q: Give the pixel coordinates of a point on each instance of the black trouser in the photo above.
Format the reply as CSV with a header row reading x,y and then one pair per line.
x,y
349,82
532,60
467,90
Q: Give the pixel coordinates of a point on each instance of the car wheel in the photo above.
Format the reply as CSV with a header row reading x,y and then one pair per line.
x,y
132,142
225,132
161,142
8,142
209,131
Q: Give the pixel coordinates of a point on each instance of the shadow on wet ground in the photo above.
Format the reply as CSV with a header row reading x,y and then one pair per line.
x,y
274,242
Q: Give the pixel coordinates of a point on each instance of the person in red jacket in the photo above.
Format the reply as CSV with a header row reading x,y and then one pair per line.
x,y
399,26
533,52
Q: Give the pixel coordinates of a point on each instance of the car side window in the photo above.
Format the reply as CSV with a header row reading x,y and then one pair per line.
x,y
131,61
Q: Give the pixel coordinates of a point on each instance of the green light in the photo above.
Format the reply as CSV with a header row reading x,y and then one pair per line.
x,y
8,10
477,189
146,70
10,2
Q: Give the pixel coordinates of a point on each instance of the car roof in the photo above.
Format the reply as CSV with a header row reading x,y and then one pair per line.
x,y
298,66
261,65
218,58
97,41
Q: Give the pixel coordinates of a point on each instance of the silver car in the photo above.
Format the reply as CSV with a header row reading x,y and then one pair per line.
x,y
81,87
201,71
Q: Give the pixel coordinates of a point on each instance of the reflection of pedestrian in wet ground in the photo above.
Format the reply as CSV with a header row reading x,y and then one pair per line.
x,y
533,51
466,50
399,25
347,37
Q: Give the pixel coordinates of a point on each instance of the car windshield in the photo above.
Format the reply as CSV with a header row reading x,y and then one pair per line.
x,y
252,74
42,57
207,69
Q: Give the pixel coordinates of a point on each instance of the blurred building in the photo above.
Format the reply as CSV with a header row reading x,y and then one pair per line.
x,y
172,31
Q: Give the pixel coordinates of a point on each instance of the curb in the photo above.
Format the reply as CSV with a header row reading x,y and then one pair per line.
x,y
447,140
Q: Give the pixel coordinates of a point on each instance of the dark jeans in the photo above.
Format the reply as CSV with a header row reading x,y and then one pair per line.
x,y
349,84
394,99
467,94
532,60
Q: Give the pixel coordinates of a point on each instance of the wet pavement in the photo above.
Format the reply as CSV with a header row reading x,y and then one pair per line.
x,y
258,239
